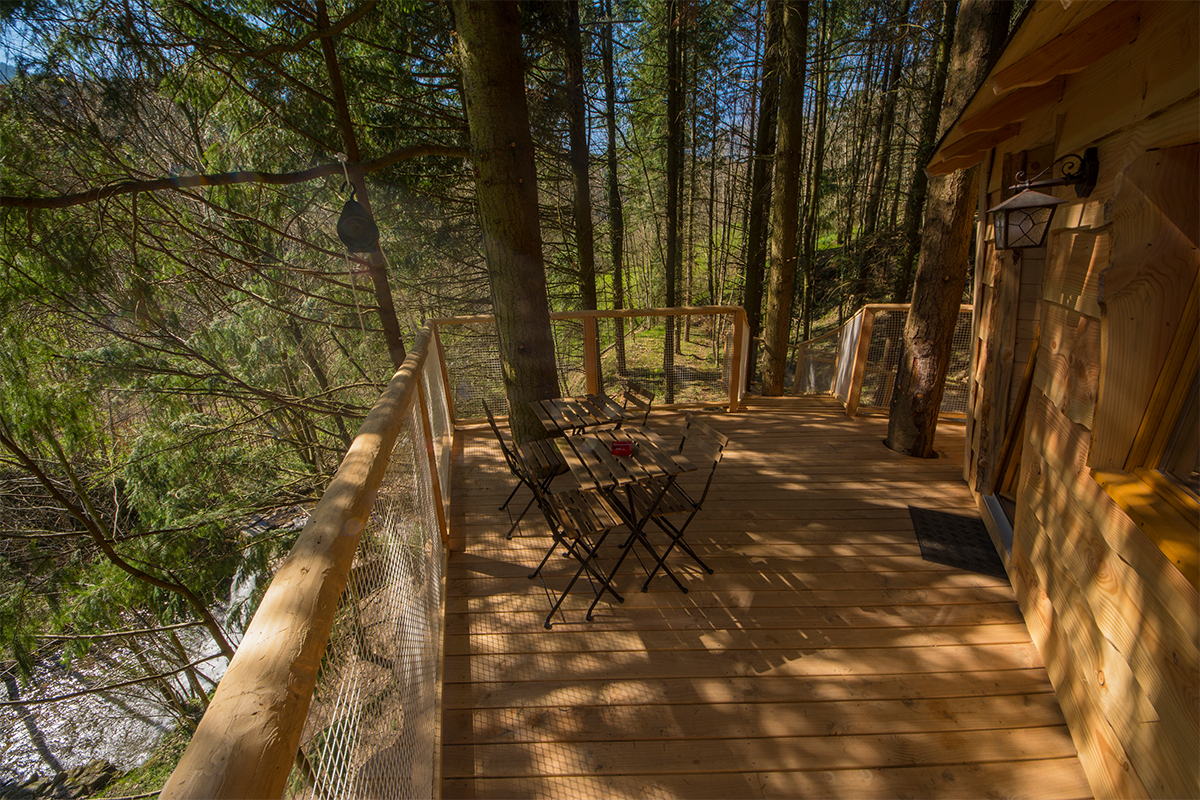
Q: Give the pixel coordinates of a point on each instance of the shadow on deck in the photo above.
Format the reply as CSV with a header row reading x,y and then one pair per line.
x,y
824,658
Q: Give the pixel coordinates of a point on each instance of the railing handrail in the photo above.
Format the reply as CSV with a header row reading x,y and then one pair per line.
x,y
246,743
605,313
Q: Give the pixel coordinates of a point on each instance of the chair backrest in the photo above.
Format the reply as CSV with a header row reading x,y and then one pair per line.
x,y
515,463
700,437
640,399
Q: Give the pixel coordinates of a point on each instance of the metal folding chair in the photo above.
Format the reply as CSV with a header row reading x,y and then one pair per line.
x,y
701,441
534,465
579,521
637,401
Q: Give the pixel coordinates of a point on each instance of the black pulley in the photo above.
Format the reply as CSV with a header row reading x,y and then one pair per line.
x,y
356,229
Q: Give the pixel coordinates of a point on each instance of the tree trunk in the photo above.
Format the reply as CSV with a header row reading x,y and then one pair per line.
x,y
674,164
945,246
813,216
887,121
691,206
868,245
760,182
489,42
577,131
615,211
915,204
785,209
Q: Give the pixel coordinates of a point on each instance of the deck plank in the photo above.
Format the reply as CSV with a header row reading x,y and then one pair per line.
x,y
823,658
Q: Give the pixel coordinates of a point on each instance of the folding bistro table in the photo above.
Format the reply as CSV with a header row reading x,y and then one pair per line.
x,y
596,469
576,414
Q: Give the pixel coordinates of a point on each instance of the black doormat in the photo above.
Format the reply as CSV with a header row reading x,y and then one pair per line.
x,y
956,541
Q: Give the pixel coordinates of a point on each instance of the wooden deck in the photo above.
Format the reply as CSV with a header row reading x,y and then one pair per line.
x,y
824,658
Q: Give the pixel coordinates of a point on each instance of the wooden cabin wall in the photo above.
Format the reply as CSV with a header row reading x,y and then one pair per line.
x,y
1116,622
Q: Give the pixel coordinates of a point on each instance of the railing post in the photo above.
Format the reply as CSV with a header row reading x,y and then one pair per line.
x,y
591,356
860,361
737,361
801,351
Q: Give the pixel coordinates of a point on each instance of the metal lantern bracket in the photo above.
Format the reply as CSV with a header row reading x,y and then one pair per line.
x,y
1076,170
1023,220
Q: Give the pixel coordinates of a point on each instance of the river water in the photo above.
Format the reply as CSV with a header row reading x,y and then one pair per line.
x,y
122,725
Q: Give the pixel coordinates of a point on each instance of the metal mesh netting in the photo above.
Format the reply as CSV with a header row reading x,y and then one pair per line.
x,y
697,370
816,365
819,362
883,358
372,727
696,376
472,355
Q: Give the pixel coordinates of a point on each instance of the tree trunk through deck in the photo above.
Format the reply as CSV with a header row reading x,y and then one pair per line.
x,y
674,169
945,245
760,183
616,214
506,185
577,124
785,208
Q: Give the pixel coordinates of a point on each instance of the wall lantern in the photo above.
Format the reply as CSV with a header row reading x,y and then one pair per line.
x,y
1023,219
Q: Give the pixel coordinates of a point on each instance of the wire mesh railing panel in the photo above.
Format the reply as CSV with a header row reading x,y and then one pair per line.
x,y
824,364
372,726
883,355
568,353
816,365
883,359
472,353
629,348
956,397
439,417
697,371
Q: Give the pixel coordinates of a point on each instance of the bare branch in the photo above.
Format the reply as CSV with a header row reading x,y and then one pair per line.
x,y
227,179
110,687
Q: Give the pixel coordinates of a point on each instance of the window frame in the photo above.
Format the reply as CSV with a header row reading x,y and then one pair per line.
x,y
1167,512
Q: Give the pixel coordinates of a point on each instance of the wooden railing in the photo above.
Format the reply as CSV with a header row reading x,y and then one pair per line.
x,y
588,347
259,736
247,742
858,360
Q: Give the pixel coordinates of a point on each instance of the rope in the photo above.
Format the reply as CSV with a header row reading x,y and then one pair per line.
x,y
341,157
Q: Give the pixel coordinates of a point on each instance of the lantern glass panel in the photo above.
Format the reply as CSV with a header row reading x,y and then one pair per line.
x,y
1027,226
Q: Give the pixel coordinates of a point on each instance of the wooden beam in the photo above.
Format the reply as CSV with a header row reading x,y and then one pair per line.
x,y
1074,50
1015,107
591,356
1012,436
977,144
971,148
947,165
738,368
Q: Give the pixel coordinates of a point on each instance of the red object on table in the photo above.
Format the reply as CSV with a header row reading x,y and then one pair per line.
x,y
622,447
